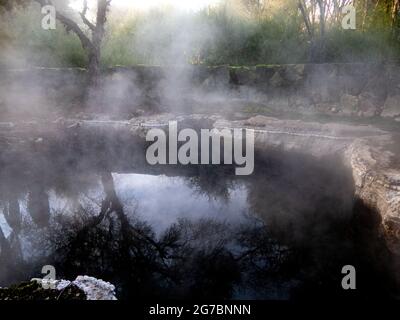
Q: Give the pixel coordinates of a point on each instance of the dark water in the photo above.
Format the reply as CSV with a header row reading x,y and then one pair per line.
x,y
284,232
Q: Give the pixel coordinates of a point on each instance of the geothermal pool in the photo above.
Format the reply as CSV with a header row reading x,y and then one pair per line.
x,y
284,232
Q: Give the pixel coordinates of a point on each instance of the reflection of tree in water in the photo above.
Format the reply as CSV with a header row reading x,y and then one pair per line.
x,y
26,175
309,206
215,182
307,235
38,206
300,197
190,259
10,247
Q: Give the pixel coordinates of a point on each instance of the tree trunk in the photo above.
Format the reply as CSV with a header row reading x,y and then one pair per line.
x,y
94,67
97,39
92,46
322,23
395,13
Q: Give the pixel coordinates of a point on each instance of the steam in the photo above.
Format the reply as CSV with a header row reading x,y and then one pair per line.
x,y
176,79
176,46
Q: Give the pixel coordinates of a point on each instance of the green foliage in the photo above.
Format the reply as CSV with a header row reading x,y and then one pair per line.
x,y
374,45
10,4
214,36
28,44
242,41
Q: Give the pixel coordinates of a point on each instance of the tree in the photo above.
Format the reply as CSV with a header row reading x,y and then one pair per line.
x,y
9,4
254,8
92,43
316,15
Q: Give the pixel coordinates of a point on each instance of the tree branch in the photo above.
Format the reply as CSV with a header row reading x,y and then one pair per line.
x,y
83,16
322,17
102,8
71,25
306,18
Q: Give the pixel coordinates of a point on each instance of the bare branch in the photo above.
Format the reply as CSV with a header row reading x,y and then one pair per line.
x,y
71,25
322,18
306,18
83,16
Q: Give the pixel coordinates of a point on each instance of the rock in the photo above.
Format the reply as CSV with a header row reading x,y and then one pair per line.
x,y
294,73
243,76
34,291
349,104
258,121
264,74
351,84
375,86
391,109
299,101
323,93
278,103
322,83
277,80
92,288
377,181
219,78
324,107
392,80
60,121
368,105
84,116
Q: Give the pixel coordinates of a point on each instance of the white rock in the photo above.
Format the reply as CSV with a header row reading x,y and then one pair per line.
x,y
94,289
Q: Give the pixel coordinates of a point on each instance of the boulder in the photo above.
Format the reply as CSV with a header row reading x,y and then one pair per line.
x,y
391,109
294,73
349,104
392,80
324,107
243,76
34,291
351,84
376,87
219,78
265,73
277,80
89,288
368,105
94,289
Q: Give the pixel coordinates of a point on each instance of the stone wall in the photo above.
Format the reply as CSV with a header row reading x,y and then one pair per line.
x,y
362,90
40,91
